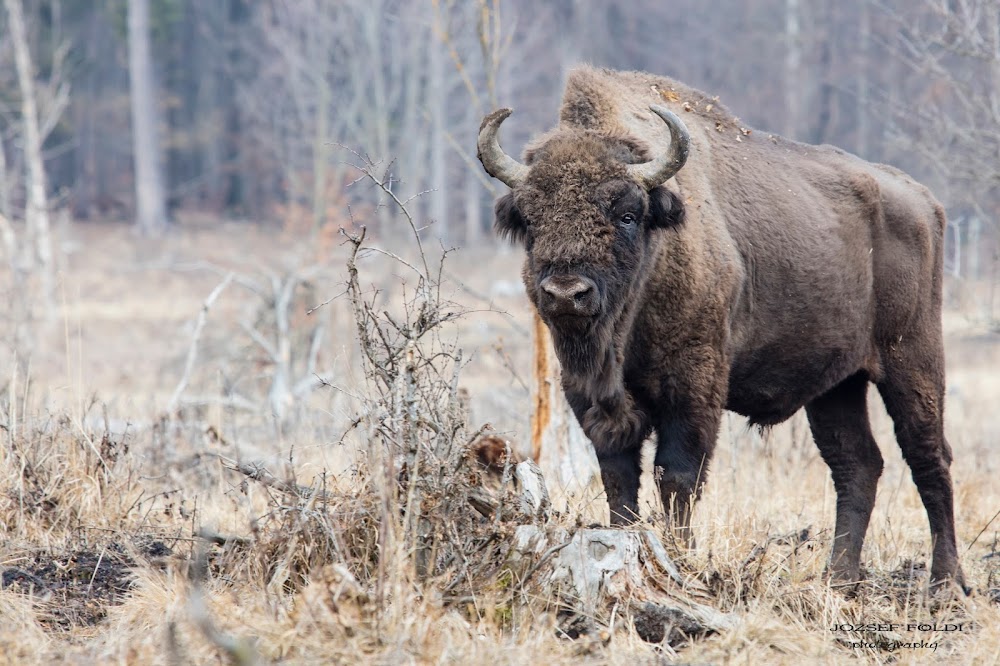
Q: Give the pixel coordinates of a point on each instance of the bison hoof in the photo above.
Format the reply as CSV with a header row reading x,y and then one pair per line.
x,y
949,587
845,579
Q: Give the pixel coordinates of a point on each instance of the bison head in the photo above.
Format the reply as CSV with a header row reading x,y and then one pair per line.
x,y
585,207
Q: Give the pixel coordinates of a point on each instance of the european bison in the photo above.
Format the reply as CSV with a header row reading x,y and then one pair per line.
x,y
687,267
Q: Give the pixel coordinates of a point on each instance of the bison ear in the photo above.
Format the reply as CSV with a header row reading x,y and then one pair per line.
x,y
509,222
665,208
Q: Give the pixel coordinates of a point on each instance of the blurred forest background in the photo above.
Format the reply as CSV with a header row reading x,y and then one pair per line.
x,y
145,111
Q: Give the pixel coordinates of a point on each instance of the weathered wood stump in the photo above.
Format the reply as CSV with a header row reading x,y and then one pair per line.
x,y
595,569
601,567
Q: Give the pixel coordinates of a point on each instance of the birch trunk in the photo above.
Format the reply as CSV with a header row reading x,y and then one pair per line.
x,y
39,233
793,62
4,183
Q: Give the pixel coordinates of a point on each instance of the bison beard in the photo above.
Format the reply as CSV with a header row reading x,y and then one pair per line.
x,y
760,275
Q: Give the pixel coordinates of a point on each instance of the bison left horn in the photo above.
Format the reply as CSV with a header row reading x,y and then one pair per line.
x,y
660,169
497,163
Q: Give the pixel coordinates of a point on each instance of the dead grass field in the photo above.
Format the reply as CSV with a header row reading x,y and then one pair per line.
x,y
102,493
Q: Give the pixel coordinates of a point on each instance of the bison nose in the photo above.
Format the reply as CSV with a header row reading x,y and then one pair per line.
x,y
569,294
567,288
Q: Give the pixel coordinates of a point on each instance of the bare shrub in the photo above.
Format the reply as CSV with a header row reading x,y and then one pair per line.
x,y
415,507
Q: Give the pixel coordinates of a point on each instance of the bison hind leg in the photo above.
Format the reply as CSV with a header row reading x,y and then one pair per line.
x,y
839,423
913,393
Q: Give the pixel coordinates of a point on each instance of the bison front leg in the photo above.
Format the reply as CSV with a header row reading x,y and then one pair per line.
x,y
692,394
616,428
683,451
620,474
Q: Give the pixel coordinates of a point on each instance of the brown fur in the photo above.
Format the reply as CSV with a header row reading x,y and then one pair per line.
x,y
490,453
765,277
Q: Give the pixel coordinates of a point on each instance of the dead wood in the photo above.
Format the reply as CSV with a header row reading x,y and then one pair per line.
x,y
595,569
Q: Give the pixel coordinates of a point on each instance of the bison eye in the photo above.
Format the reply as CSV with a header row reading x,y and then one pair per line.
x,y
628,219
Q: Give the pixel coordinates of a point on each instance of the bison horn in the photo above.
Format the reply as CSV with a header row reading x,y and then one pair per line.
x,y
658,170
497,163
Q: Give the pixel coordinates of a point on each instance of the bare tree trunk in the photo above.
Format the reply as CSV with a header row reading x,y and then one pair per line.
x,y
573,35
4,183
437,109
38,209
992,12
863,109
975,235
9,245
149,193
793,66
955,226
413,136
377,124
320,150
213,92
991,298
473,209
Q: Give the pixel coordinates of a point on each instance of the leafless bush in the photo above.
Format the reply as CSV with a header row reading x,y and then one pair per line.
x,y
416,507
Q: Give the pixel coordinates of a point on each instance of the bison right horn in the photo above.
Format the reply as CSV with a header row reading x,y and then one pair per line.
x,y
660,169
497,163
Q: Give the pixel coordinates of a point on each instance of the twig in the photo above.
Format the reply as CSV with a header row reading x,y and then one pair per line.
x,y
261,341
193,349
324,303
546,556
985,527
483,502
231,401
509,364
368,172
260,474
97,567
396,257
223,540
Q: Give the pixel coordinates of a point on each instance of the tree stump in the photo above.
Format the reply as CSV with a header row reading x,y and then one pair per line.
x,y
597,568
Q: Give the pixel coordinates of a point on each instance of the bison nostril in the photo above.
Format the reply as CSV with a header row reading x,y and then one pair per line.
x,y
583,293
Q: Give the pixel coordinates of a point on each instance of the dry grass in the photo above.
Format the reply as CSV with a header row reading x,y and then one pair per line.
x,y
99,521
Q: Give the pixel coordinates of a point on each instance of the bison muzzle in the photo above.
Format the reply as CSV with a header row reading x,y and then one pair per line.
x,y
686,267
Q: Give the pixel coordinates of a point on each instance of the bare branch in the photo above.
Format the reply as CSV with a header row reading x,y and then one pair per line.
x,y
195,337
260,474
